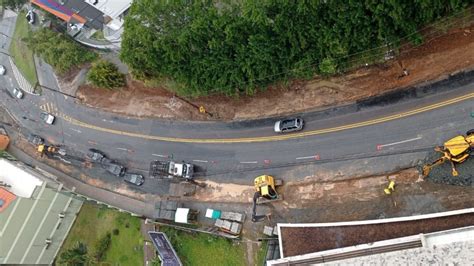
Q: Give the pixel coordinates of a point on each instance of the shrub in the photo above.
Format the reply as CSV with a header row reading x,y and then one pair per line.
x,y
102,246
104,74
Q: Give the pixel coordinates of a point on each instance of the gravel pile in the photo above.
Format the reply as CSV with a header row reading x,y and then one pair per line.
x,y
442,173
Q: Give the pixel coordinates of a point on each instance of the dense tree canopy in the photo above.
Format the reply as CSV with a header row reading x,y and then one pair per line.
x,y
58,50
216,47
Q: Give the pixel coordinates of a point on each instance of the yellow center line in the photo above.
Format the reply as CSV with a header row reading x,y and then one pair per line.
x,y
279,137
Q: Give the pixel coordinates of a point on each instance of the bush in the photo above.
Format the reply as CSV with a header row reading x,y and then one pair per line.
x,y
327,67
58,50
104,74
102,246
115,232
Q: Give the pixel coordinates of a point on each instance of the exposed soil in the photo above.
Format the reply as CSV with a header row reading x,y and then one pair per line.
x,y
434,60
304,240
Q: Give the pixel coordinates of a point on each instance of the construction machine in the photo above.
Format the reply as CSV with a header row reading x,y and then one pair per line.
x,y
50,150
455,150
265,191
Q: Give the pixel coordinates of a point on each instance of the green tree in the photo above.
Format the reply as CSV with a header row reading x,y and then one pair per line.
x,y
102,246
105,74
76,255
13,4
58,50
235,47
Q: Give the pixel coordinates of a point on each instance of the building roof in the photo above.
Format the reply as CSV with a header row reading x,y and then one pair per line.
x,y
22,181
33,228
76,11
300,239
165,250
6,197
4,141
450,247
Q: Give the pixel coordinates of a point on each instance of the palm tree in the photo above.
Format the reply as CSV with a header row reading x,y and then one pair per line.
x,y
76,255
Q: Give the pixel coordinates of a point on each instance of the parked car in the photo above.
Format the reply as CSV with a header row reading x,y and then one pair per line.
x,y
47,118
30,17
3,70
135,179
114,168
17,93
95,155
289,125
35,139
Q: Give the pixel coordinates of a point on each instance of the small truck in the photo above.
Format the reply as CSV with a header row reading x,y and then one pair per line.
x,y
170,169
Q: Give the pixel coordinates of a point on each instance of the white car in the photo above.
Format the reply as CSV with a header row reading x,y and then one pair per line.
x,y
30,16
47,118
289,125
17,93
2,70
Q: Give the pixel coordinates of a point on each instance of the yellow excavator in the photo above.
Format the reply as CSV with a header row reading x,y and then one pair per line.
x,y
50,150
265,191
455,150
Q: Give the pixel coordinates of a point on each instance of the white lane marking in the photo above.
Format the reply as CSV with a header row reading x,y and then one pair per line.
x,y
69,135
250,162
159,155
200,161
304,158
400,142
105,120
122,149
75,130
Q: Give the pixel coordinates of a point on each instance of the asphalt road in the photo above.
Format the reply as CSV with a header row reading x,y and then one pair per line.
x,y
136,142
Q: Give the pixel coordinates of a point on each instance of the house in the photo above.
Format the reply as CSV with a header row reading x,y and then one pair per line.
x,y
85,17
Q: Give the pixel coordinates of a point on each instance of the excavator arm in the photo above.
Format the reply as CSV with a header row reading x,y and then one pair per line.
x,y
255,217
427,168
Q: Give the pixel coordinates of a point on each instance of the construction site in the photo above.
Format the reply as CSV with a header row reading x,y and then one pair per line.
x,y
382,169
442,182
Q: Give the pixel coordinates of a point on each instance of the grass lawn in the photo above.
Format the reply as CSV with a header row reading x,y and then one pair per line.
x,y
21,55
94,221
261,254
203,249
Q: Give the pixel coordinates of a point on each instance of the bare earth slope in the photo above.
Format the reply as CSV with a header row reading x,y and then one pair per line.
x,y
434,60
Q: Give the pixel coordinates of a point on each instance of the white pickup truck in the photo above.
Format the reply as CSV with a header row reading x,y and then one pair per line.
x,y
170,169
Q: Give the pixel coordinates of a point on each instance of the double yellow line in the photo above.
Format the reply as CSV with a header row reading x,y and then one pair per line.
x,y
278,137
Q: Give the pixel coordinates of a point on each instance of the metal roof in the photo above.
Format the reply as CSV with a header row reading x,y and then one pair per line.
x,y
165,250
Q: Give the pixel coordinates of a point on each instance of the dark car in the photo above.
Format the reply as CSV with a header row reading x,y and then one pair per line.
x,y
289,125
30,16
35,139
114,168
135,179
95,155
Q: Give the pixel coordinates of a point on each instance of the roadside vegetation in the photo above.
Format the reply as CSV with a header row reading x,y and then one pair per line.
x,y
105,74
203,249
58,50
109,237
238,47
13,4
21,54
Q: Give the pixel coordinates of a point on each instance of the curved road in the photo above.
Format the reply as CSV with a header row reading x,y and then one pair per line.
x,y
237,151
